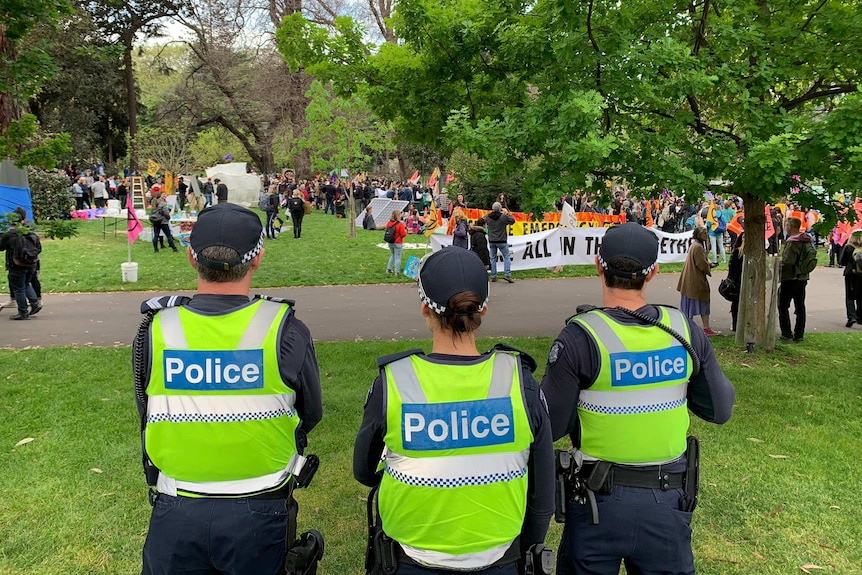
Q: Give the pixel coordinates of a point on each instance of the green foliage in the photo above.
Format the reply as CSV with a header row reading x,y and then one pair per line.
x,y
210,145
24,142
52,199
341,132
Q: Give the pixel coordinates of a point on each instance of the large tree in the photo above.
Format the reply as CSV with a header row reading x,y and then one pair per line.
x,y
125,22
24,67
662,93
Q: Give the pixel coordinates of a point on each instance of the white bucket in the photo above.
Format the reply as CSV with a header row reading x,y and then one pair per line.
x,y
130,271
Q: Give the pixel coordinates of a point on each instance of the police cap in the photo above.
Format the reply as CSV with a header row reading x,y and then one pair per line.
x,y
226,225
630,241
448,272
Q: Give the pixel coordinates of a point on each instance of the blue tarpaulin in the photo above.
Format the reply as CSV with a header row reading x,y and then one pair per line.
x,y
12,196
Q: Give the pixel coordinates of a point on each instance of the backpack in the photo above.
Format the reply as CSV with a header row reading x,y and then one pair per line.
x,y
856,269
720,223
27,250
296,205
263,202
807,260
389,234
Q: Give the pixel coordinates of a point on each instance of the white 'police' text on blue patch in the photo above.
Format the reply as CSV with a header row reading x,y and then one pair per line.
x,y
456,425
209,370
643,367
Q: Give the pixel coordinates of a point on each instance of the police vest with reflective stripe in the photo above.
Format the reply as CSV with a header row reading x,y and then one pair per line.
x,y
636,412
458,437
220,420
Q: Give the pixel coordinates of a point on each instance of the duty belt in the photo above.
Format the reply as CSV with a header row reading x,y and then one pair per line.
x,y
602,476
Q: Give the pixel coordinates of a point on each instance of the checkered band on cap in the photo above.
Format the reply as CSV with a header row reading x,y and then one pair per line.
x,y
440,308
644,272
244,258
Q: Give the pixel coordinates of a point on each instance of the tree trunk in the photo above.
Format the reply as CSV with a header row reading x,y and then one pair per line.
x,y
132,106
9,110
756,323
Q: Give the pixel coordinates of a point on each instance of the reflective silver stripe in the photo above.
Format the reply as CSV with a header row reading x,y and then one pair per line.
x,y
255,333
172,329
603,332
258,328
457,467
502,376
633,398
170,485
407,382
219,408
466,562
678,324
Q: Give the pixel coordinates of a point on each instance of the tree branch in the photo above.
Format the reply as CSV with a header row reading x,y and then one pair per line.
x,y
606,114
814,94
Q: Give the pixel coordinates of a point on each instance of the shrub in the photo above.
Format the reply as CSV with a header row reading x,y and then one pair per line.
x,y
52,199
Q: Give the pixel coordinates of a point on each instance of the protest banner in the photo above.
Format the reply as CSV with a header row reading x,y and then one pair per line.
x,y
567,246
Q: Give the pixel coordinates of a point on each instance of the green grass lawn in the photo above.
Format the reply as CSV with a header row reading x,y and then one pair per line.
x,y
323,256
780,480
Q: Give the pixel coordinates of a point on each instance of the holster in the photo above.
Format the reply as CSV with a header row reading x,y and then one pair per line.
x,y
539,560
381,556
302,554
691,479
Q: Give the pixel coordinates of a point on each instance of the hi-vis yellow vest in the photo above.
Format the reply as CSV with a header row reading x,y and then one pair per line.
x,y
458,437
636,411
220,420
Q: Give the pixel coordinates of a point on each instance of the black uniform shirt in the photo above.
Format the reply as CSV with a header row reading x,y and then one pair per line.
x,y
573,365
368,449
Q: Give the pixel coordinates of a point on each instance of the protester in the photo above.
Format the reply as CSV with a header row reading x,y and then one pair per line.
x,y
160,217
22,247
734,274
296,209
221,191
221,442
693,284
472,501
479,242
851,260
182,190
498,222
635,483
796,265
459,234
208,191
393,266
368,220
271,204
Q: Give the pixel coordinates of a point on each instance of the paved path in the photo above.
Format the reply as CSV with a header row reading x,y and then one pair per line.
x,y
391,311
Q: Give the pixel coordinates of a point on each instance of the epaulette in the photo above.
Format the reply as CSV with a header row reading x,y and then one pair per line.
x,y
290,302
166,301
526,359
387,359
583,308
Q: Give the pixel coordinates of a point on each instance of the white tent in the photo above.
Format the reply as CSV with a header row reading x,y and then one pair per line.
x,y
243,188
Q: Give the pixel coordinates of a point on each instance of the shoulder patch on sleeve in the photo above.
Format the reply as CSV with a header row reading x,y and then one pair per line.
x,y
162,302
556,349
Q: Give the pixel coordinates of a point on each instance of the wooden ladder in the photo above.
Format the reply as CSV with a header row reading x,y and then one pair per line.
x,y
139,190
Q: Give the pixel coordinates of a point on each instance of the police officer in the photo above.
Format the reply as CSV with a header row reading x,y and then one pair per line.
x,y
620,382
467,478
227,388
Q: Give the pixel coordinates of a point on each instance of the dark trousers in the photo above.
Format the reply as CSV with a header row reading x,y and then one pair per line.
x,y
20,280
853,298
159,228
644,528
79,202
792,291
181,201
296,218
330,205
211,536
734,313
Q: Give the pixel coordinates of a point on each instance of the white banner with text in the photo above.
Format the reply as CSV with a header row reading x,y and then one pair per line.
x,y
573,246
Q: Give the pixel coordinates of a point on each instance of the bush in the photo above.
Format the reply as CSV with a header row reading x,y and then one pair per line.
x,y
52,200
51,195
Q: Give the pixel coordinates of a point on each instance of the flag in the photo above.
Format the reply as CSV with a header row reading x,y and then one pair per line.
x,y
169,183
710,215
228,157
152,168
569,219
134,224
415,177
450,176
432,181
